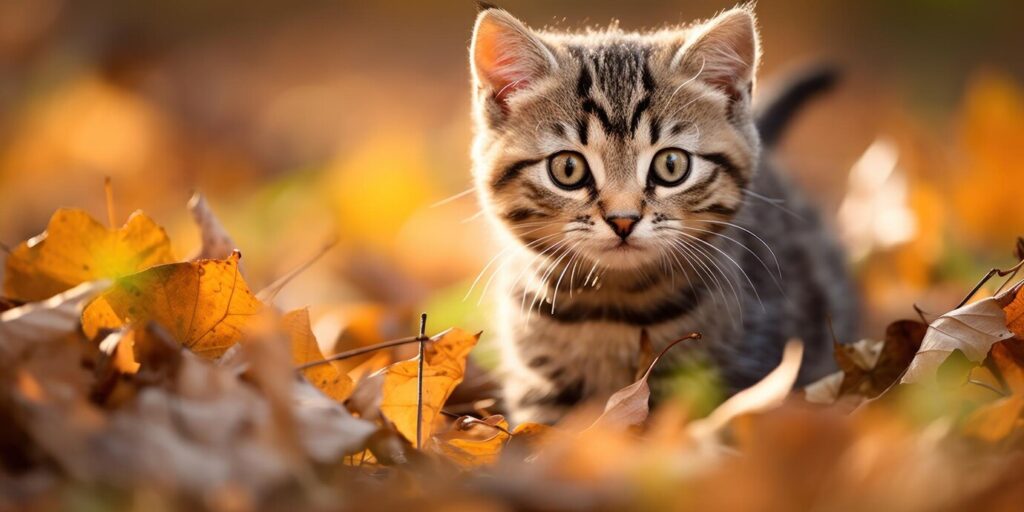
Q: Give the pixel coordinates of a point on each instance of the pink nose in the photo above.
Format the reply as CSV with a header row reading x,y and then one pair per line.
x,y
622,225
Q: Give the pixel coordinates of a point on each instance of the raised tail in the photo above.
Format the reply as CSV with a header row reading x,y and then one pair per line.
x,y
774,114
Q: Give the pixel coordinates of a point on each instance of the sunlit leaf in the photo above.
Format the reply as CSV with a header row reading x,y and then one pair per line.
x,y
444,368
203,305
327,377
75,248
474,443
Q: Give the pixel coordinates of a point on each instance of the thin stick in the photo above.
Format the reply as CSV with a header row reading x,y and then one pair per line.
x,y
270,292
109,190
372,348
991,273
4,247
422,338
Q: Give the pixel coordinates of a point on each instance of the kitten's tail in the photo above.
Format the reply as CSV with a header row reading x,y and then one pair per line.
x,y
775,113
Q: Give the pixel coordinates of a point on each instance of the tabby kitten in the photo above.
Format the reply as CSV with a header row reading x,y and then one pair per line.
x,y
628,174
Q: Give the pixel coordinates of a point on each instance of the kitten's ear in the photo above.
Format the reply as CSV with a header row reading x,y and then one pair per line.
x,y
505,55
725,51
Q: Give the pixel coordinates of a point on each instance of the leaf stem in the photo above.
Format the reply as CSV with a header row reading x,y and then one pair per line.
x,y
691,336
108,189
991,273
422,339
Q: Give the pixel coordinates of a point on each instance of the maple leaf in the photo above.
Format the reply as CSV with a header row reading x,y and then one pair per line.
x,y
75,248
330,378
443,369
204,305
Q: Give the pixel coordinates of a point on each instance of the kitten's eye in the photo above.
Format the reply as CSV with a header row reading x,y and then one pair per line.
x,y
569,170
669,167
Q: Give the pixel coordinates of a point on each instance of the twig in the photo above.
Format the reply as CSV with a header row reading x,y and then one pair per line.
x,y
991,273
372,348
920,314
691,336
986,386
108,188
270,292
422,338
5,248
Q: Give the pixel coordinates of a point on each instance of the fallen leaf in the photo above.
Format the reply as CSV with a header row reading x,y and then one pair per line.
x,y
870,367
203,305
769,393
630,405
1015,313
994,421
474,443
217,243
972,329
444,368
75,248
327,377
47,320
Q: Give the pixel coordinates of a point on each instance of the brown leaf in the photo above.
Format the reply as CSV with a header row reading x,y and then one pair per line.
x,y
629,405
870,367
203,305
75,249
48,320
1015,314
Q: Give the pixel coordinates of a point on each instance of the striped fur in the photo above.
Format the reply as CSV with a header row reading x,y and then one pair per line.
x,y
733,252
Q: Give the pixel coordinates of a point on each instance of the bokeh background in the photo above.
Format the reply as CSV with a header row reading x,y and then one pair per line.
x,y
304,119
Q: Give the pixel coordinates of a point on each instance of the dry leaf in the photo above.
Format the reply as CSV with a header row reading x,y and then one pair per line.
x,y
327,377
50,319
473,443
75,249
972,329
204,305
444,368
1015,313
217,243
630,405
769,393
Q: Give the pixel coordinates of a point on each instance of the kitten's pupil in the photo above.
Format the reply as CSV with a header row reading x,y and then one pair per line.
x,y
570,168
670,163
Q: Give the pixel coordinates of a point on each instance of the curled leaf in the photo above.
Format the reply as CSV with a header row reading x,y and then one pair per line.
x,y
328,377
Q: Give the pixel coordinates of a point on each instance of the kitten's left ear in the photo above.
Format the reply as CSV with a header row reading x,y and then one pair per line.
x,y
725,51
505,55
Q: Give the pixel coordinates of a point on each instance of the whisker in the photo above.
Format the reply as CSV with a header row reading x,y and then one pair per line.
x,y
730,258
744,247
452,198
751,233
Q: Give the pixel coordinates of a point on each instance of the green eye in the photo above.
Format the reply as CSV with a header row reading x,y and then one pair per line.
x,y
568,170
669,167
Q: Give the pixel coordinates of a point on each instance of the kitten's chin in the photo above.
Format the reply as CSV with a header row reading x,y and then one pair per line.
x,y
625,256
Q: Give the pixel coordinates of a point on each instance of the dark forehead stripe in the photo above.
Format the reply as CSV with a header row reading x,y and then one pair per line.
x,y
619,69
512,171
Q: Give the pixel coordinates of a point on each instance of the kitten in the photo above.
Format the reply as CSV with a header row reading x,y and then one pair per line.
x,y
628,172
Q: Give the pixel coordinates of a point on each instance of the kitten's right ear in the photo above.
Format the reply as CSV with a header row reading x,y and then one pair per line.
x,y
506,56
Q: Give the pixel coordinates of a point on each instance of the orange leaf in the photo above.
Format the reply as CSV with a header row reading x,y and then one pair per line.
x,y
327,377
444,368
75,248
1015,315
203,305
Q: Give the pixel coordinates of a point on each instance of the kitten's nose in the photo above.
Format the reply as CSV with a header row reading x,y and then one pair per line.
x,y
622,225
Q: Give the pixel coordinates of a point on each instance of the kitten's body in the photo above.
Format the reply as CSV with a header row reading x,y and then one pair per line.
x,y
732,251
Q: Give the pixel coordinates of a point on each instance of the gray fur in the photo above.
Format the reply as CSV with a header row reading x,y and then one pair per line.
x,y
735,252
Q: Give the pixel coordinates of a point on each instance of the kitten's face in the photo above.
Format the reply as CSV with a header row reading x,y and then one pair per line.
x,y
620,148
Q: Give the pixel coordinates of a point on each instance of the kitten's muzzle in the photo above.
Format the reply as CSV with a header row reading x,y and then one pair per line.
x,y
622,225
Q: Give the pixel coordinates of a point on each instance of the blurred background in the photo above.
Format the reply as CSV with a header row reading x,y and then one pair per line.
x,y
303,119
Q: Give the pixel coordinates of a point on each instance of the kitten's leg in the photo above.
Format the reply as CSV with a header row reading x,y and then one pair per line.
x,y
531,399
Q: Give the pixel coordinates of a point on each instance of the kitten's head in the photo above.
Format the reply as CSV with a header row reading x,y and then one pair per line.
x,y
612,145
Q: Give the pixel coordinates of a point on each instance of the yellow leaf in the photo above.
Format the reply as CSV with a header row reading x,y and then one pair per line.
x,y
474,443
75,248
444,368
203,305
327,377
